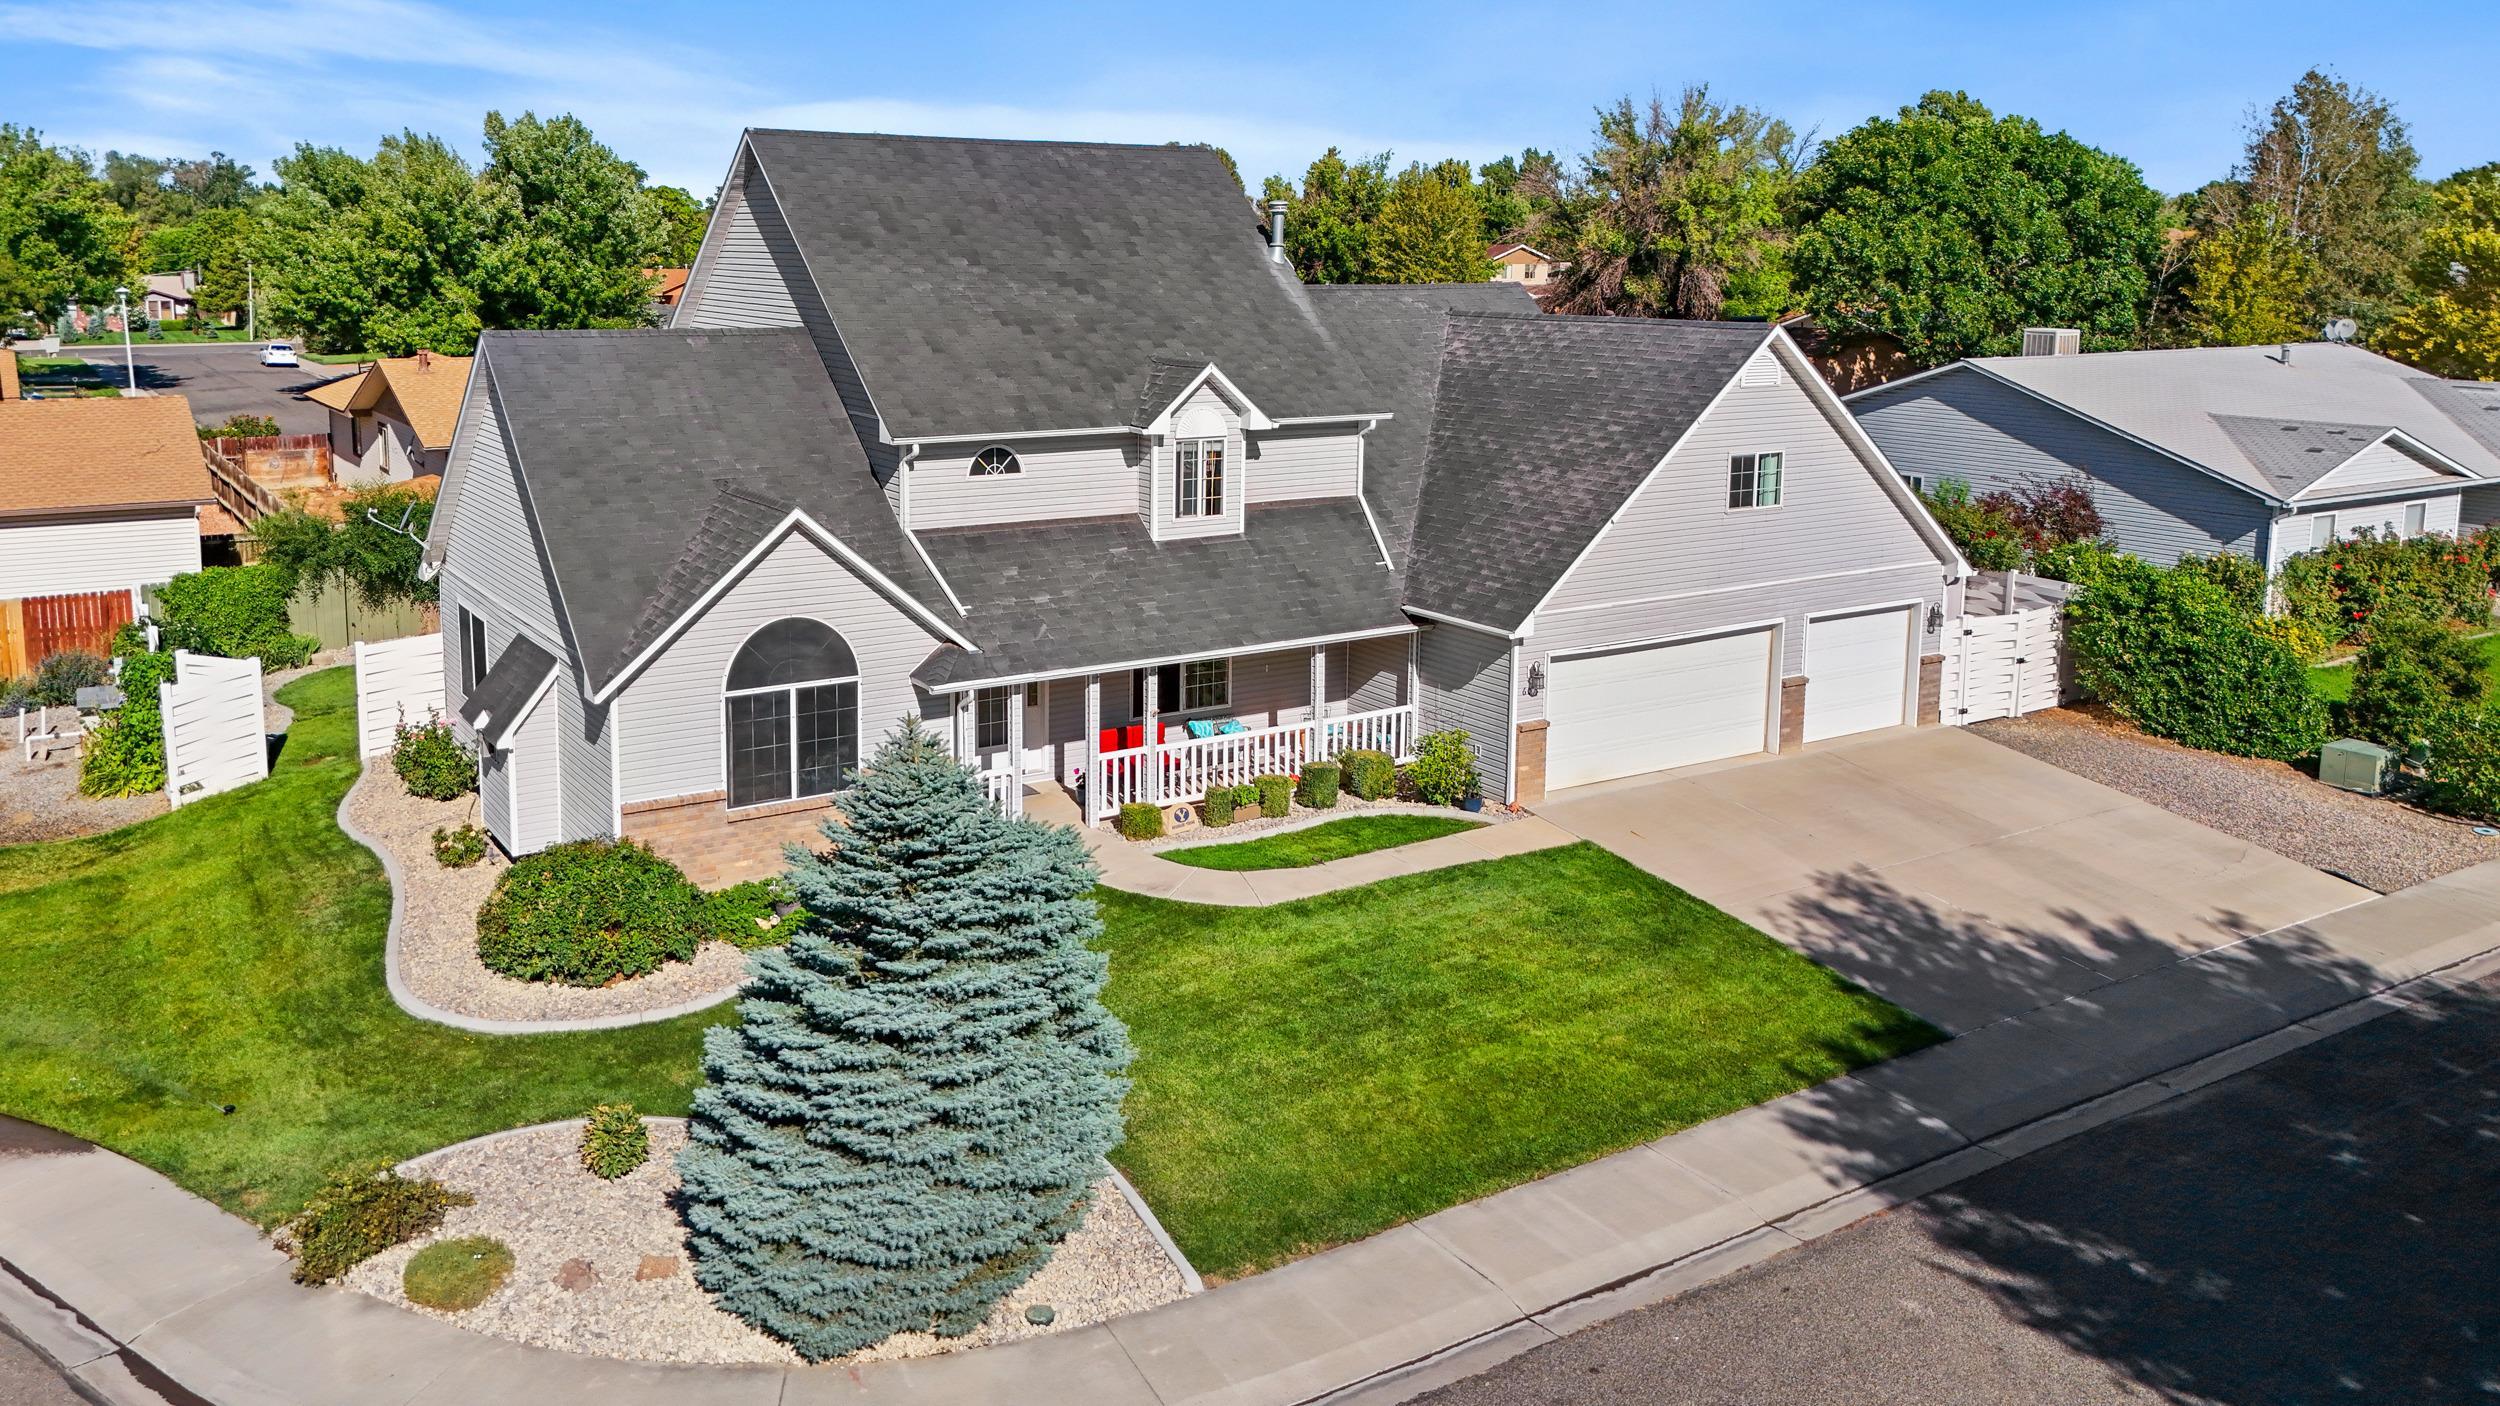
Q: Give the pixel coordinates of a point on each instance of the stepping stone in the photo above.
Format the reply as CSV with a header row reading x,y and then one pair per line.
x,y
576,1275
655,1267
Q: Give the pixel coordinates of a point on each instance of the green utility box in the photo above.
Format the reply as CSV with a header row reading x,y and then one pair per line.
x,y
2355,765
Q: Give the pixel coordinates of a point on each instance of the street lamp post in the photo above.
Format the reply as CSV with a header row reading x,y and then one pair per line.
x,y
251,305
130,363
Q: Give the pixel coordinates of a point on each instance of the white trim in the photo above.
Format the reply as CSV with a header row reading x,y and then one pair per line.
x,y
2405,444
430,554
1776,625
616,770
1748,586
1757,455
698,269
722,692
993,436
1514,681
1888,478
1684,637
1362,438
797,518
902,471
1287,421
1252,417
1229,652
1464,624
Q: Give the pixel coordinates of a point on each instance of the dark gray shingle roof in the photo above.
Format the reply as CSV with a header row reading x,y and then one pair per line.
x,y
2474,405
506,689
1394,330
995,286
1098,591
2294,454
655,459
1544,425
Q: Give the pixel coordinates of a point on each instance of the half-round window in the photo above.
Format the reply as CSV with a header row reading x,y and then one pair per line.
x,y
792,713
997,459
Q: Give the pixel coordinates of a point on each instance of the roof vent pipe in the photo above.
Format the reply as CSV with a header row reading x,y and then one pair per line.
x,y
2286,357
1275,231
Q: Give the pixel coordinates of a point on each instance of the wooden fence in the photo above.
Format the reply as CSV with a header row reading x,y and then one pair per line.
x,y
37,627
334,614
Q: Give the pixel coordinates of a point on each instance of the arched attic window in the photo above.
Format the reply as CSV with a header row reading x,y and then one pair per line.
x,y
792,708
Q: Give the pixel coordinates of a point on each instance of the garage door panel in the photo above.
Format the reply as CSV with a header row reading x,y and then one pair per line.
x,y
1857,672
1648,709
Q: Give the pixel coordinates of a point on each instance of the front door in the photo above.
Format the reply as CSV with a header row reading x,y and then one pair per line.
x,y
1036,730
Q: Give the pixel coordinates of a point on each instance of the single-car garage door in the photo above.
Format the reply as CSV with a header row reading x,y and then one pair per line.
x,y
1627,711
1857,672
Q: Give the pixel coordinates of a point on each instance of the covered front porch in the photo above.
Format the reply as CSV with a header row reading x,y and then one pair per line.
x,y
1165,732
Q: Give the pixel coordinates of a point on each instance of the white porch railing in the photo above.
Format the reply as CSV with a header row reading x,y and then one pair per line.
x,y
1186,769
1004,790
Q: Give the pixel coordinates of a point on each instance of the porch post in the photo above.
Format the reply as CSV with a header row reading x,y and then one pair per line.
x,y
1015,750
1154,739
963,729
1411,726
1093,746
1319,703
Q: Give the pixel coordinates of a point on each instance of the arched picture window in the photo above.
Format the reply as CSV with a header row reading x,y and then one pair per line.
x,y
997,459
792,703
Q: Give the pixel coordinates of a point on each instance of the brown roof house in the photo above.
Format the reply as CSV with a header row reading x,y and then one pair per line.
x,y
98,494
392,421
1522,264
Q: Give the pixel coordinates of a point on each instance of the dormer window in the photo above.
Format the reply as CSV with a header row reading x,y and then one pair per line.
x,y
997,459
1198,478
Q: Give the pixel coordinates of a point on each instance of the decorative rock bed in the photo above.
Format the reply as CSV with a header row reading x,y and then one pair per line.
x,y
437,947
600,1267
1249,824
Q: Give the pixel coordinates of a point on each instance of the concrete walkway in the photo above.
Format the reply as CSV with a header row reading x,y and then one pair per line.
x,y
119,1274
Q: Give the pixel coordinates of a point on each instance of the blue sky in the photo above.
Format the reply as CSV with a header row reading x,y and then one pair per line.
x,y
670,85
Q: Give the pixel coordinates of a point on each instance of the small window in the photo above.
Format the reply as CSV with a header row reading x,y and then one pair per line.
x,y
1033,694
1206,683
472,651
989,717
1753,480
1198,478
997,459
2321,532
1917,483
2417,518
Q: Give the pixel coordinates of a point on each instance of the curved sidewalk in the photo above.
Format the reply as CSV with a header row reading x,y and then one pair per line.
x,y
1126,865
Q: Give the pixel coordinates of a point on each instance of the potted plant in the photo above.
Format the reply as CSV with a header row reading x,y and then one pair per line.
x,y
1471,802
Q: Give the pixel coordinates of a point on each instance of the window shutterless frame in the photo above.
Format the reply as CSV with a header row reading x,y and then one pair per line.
x,y
1756,480
995,460
790,715
1198,478
472,651
989,717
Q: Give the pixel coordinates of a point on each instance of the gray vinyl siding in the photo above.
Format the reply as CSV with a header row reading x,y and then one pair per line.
x,y
582,742
1164,489
1465,678
2478,507
1285,465
2381,467
1376,673
2295,533
495,552
538,778
1058,479
494,786
1961,424
741,283
669,719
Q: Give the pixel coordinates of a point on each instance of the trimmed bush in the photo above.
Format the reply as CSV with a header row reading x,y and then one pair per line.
x,y
1986,535
2307,643
460,847
2412,672
235,611
432,761
2241,578
2078,562
2464,773
1217,808
2171,652
614,1141
357,1214
749,915
1370,775
1140,821
1444,772
589,913
125,755
58,679
1275,796
455,1276
1319,786
2339,590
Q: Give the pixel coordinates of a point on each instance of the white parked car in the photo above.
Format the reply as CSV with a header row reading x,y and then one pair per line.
x,y
279,354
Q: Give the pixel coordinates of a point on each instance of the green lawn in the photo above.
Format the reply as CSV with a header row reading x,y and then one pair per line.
x,y
2334,682
231,952
1315,1072
142,340
1338,839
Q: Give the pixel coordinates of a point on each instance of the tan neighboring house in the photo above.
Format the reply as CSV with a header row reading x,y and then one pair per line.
x,y
98,495
393,420
1523,264
171,297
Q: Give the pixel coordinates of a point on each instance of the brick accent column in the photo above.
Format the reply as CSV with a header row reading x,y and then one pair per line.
x,y
1930,689
1792,712
1528,763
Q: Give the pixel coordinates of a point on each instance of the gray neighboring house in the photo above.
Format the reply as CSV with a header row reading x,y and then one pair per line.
x,y
1043,445
2264,452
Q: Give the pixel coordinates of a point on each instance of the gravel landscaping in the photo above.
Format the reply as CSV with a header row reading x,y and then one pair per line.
x,y
39,800
600,1267
2375,842
438,923
1248,823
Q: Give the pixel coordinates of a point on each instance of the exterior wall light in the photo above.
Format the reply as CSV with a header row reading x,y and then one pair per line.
x,y
1536,679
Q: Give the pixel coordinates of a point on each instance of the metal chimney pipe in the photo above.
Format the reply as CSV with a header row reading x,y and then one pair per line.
x,y
1275,231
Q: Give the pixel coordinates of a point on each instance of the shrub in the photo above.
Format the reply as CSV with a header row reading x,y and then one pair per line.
x,y
1275,796
614,1141
432,761
1985,535
1370,775
234,611
1319,786
2172,653
357,1214
2344,586
58,679
459,848
2307,643
1246,795
1140,820
2047,513
2464,773
1444,772
2241,578
589,913
125,755
1217,808
2078,562
242,427
2410,674
749,915
457,1275
130,639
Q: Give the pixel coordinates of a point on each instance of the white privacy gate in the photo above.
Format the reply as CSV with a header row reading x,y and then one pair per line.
x,y
215,736
2002,666
397,681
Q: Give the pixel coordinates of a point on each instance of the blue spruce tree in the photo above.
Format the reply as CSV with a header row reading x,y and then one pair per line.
x,y
922,1086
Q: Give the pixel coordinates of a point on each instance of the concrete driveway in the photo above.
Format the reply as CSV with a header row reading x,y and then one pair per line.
x,y
1959,879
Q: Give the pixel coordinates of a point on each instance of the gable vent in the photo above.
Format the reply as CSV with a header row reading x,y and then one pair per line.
x,y
1763,370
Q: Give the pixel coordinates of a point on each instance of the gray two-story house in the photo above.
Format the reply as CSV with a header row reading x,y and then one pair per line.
x,y
1045,445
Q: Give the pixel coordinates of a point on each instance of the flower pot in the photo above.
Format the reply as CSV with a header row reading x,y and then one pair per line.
x,y
1472,804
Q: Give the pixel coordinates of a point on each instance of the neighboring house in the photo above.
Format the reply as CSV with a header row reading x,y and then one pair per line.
x,y
167,297
2263,452
1082,487
393,421
98,494
668,287
1519,263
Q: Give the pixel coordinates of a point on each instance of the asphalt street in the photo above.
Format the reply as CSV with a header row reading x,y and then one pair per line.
x,y
223,379
26,1379
2317,1229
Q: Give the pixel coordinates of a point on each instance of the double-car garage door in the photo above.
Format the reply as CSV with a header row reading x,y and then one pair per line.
x,y
1622,712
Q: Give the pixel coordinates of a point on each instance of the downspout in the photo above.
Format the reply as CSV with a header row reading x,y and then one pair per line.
x,y
1362,455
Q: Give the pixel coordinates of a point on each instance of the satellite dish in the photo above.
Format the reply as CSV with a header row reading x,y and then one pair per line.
x,y
2342,329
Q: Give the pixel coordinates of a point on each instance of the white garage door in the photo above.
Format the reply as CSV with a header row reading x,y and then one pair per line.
x,y
1635,710
1857,672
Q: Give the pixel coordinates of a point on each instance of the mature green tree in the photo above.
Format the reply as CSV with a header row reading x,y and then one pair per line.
x,y
1951,229
2338,165
62,239
160,190
2248,282
217,243
1677,213
377,256
1430,229
571,235
1331,222
1514,192
2453,329
686,218
922,1086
